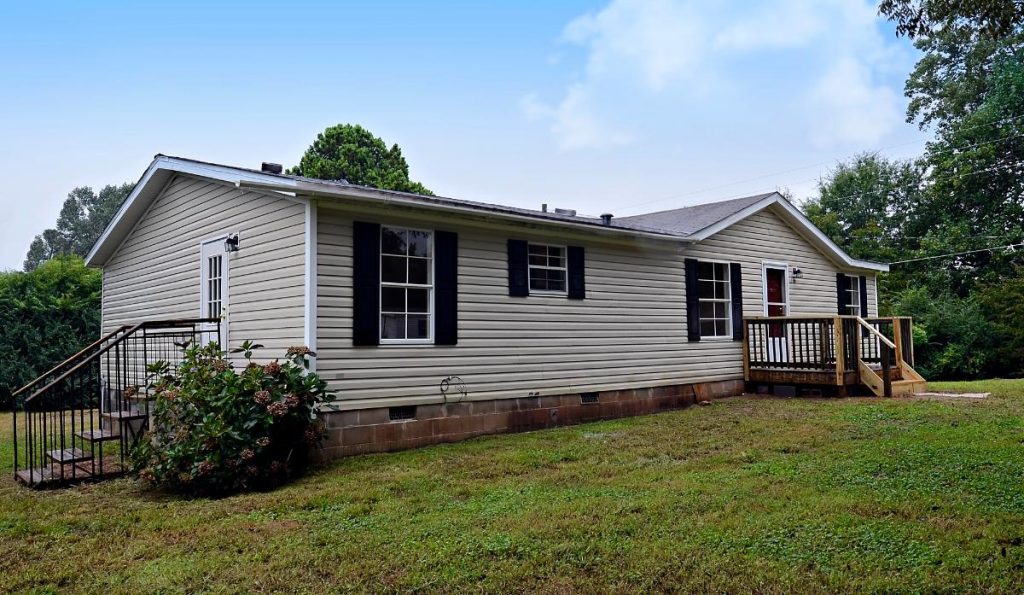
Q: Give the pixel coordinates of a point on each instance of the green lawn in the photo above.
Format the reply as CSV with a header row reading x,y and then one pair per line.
x,y
773,495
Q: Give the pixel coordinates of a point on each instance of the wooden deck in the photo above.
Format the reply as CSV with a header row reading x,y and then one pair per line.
x,y
842,353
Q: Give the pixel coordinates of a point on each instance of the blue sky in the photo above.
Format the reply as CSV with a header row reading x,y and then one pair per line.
x,y
623,106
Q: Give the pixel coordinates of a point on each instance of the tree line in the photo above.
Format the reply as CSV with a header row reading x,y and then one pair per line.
x,y
952,220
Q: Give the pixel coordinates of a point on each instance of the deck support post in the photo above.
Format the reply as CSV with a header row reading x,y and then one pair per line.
x,y
746,351
886,376
837,331
897,338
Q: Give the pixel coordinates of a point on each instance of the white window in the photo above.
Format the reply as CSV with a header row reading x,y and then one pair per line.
x,y
715,299
214,277
547,268
852,295
406,285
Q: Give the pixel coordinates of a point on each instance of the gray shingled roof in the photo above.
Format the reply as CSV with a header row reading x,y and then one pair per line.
x,y
689,220
681,222
617,223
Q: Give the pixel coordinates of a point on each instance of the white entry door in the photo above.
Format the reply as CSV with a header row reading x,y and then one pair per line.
x,y
776,303
214,290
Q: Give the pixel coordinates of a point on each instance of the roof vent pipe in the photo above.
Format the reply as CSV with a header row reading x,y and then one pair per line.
x,y
606,219
271,168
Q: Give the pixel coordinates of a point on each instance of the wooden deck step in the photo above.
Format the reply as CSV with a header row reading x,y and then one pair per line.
x,y
124,415
908,387
98,435
69,455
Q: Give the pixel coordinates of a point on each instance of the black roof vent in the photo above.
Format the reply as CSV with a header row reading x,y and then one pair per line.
x,y
606,219
272,168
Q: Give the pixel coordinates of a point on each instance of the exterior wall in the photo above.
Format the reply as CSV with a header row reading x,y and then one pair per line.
x,y
155,274
765,237
629,332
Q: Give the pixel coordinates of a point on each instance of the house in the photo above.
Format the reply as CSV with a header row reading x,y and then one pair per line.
x,y
435,319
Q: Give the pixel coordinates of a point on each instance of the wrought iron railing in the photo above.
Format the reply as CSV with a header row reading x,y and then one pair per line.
x,y
80,419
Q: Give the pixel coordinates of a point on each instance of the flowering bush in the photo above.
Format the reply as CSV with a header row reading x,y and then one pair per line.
x,y
216,431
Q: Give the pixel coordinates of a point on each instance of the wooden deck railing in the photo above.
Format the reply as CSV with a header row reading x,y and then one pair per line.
x,y
826,350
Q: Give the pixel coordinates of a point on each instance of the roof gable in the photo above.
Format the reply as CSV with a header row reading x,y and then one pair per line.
x,y
700,222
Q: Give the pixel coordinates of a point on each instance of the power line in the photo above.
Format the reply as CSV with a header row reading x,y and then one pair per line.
x,y
943,179
1010,247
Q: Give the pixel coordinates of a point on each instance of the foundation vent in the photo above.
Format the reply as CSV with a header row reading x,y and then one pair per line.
x,y
402,413
588,398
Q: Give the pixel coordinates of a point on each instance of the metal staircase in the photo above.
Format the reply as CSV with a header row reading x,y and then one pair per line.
x,y
79,420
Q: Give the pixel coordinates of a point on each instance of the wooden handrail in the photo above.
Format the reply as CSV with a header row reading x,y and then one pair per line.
x,y
132,330
876,332
52,370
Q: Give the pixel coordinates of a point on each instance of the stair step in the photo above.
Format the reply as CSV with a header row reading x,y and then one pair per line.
x,y
98,435
51,476
69,455
124,415
38,477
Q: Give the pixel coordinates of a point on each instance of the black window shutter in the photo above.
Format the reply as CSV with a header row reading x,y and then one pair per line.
x,y
736,288
365,283
692,303
864,297
518,268
446,288
842,298
577,273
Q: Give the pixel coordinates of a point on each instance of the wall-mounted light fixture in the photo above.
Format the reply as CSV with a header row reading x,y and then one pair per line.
x,y
797,274
231,243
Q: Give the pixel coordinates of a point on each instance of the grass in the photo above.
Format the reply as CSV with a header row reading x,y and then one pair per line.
x,y
769,495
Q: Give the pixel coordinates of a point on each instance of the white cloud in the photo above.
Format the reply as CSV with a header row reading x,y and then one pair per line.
x,y
686,49
629,43
661,39
780,25
574,123
851,106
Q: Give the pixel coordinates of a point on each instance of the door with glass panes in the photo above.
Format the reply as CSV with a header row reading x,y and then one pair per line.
x,y
214,290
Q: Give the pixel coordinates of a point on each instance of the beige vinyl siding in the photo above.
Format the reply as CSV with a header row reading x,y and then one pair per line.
x,y
630,332
765,237
155,273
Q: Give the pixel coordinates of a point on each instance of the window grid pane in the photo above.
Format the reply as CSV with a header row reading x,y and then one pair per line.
x,y
406,284
547,268
853,295
714,299
214,267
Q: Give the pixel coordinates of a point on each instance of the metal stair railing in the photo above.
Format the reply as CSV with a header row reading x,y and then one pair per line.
x,y
80,419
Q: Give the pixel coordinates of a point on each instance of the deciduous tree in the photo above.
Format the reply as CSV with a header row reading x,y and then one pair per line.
x,y
352,153
83,217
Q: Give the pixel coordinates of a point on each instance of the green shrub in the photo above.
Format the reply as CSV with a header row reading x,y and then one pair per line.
x,y
952,338
216,431
47,315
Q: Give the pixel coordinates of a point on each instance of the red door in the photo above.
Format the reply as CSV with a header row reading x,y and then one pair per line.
x,y
775,294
